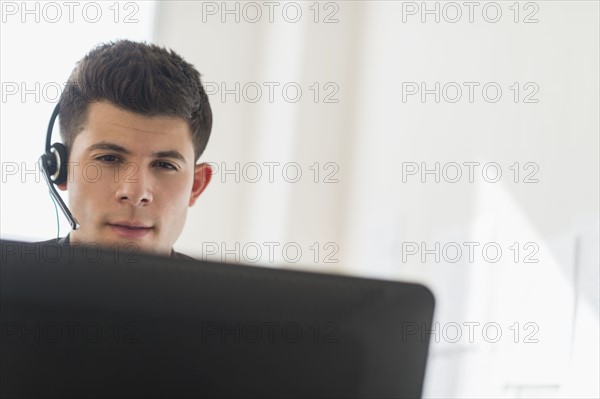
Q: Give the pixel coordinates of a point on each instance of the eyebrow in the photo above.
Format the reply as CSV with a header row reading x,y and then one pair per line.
x,y
104,145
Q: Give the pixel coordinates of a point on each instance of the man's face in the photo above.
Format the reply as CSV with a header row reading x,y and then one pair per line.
x,y
132,178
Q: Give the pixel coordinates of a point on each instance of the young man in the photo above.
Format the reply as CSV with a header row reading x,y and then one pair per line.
x,y
135,119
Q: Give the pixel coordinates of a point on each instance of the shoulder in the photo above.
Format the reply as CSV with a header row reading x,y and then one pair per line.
x,y
65,241
177,255
54,241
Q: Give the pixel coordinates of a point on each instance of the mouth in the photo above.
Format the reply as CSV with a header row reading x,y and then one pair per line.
x,y
130,230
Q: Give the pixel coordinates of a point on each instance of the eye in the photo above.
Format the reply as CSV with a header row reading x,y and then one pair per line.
x,y
165,165
108,159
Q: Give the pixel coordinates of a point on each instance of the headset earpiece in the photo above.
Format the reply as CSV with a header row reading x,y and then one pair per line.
x,y
57,163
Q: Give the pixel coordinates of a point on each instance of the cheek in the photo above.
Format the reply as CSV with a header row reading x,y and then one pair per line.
x,y
178,194
174,193
89,186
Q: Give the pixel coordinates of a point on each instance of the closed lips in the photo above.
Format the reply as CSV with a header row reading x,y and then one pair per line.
x,y
128,226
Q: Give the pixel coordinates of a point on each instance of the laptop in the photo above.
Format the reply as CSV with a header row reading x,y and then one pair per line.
x,y
86,322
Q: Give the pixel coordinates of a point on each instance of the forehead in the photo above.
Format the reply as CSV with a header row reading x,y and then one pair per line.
x,y
138,133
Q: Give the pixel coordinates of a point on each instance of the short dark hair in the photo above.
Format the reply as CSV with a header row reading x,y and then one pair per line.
x,y
138,77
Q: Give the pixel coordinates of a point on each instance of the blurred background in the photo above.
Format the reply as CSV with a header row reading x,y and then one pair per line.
x,y
454,144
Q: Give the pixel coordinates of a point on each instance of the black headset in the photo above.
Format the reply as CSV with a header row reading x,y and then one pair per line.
x,y
53,164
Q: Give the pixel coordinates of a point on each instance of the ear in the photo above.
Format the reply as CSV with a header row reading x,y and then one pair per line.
x,y
62,187
202,175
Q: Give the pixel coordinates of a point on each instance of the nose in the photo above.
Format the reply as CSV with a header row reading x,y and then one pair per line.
x,y
134,187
